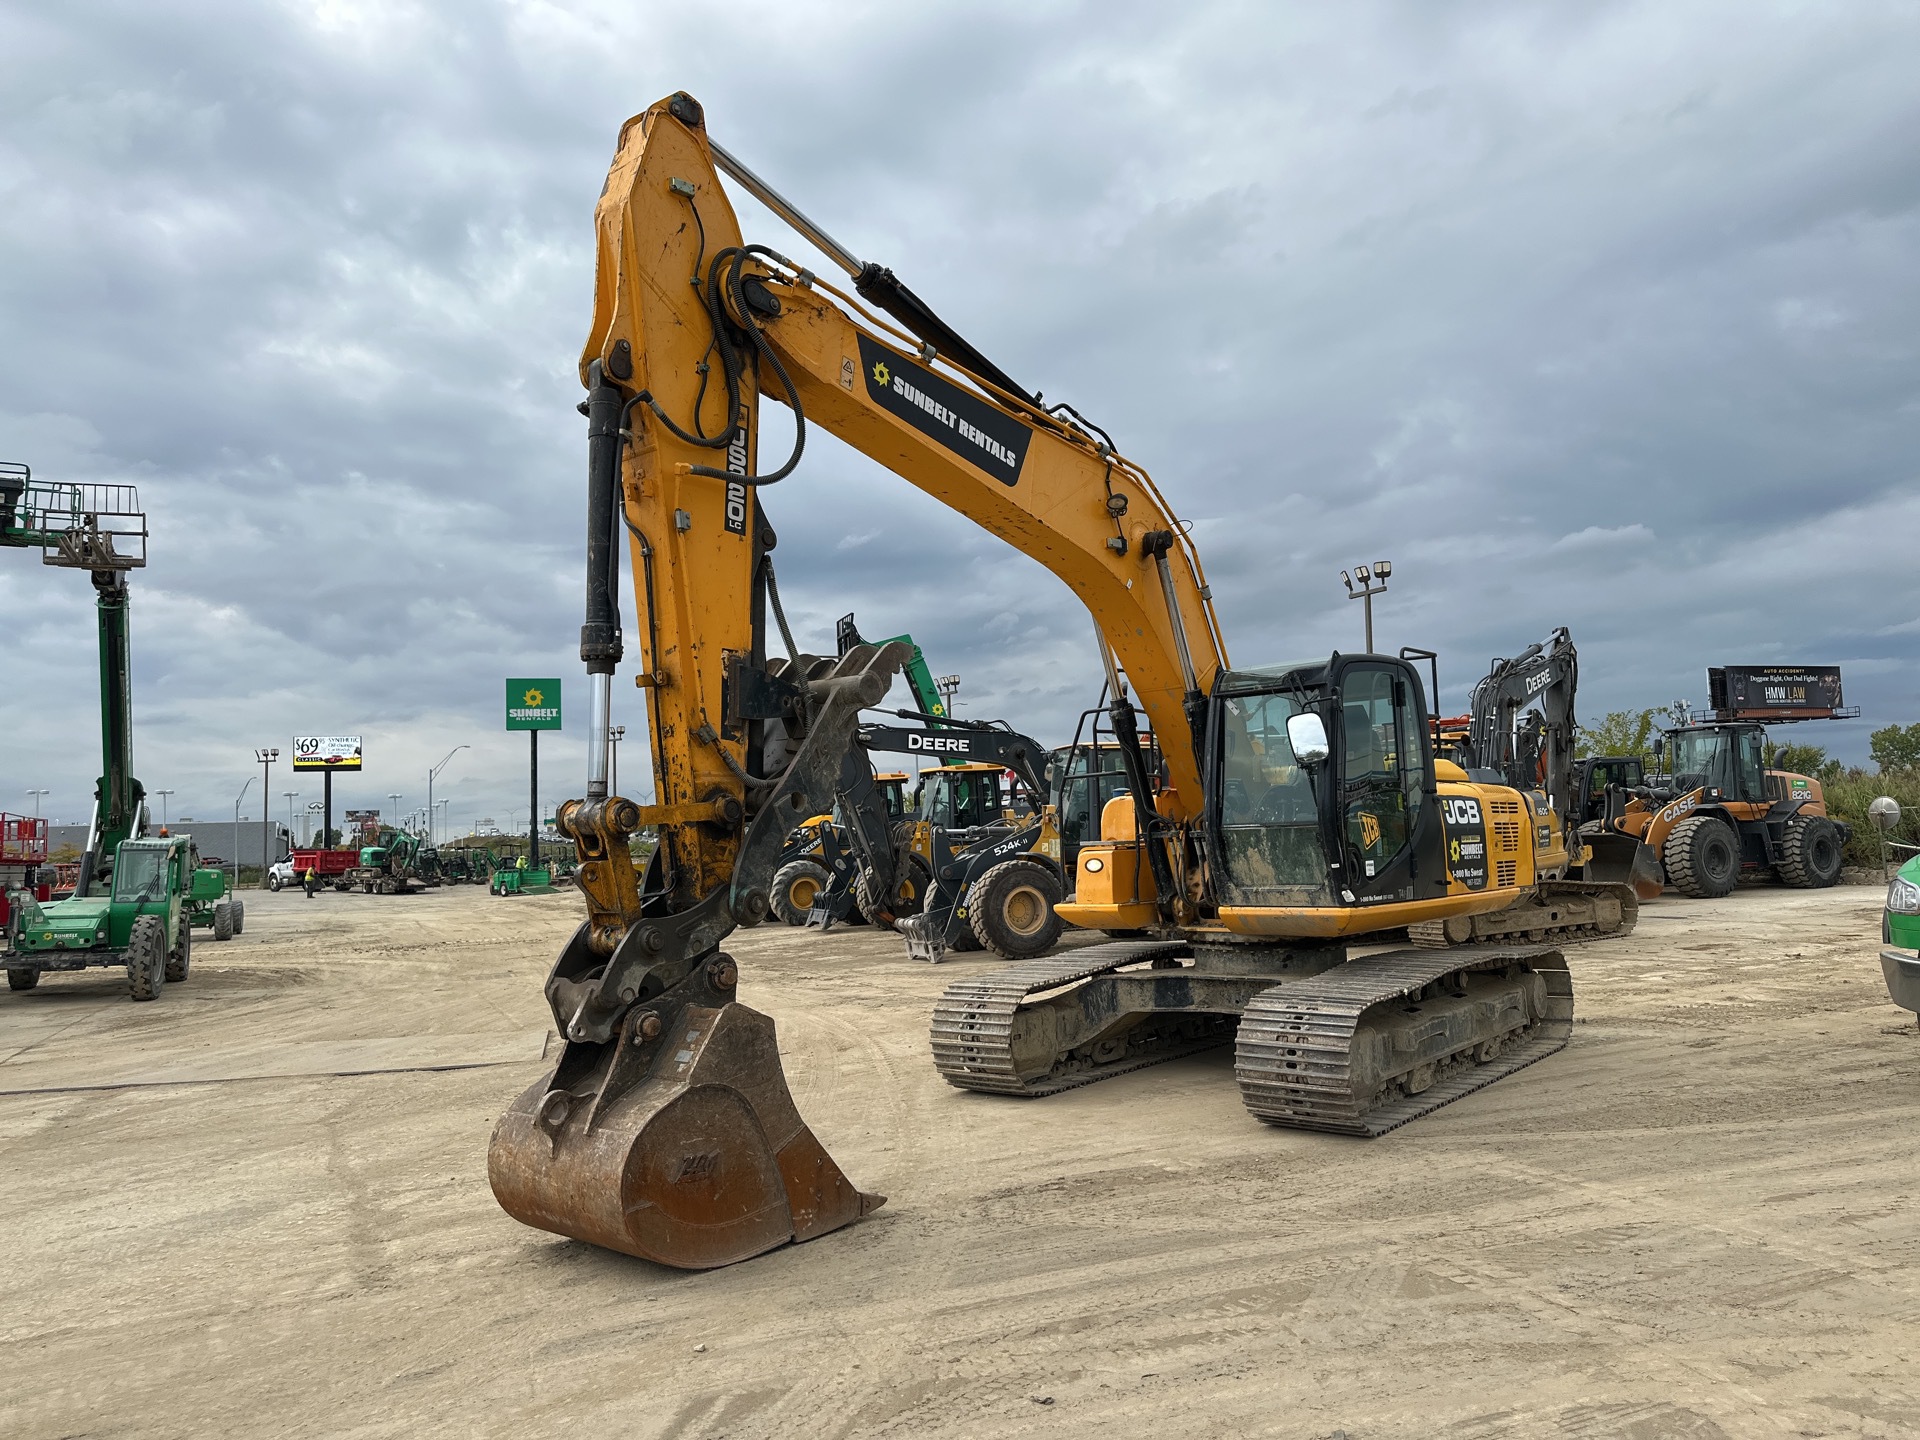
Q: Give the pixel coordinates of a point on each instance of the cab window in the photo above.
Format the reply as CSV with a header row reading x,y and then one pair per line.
x,y
1268,822
1380,764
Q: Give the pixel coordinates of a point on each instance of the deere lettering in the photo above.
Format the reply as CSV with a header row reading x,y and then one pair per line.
x,y
957,744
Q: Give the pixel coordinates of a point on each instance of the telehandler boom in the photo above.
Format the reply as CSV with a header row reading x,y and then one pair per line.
x,y
1301,804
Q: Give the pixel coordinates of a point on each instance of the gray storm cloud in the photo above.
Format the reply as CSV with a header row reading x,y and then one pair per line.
x,y
1598,316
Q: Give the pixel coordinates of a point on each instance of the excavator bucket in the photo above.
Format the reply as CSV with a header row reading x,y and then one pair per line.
x,y
704,1161
666,1129
1618,859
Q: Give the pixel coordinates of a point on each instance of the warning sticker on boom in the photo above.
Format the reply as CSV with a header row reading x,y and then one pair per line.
x,y
962,422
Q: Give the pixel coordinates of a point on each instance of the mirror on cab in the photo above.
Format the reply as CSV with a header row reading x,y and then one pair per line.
x,y
1659,747
1307,737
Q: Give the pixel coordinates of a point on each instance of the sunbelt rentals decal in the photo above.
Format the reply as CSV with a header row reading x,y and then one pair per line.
x,y
955,419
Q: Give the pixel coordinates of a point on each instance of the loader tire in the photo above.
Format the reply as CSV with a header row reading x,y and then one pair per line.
x,y
239,916
1702,857
911,882
22,979
1010,909
146,958
222,920
181,960
1810,852
796,886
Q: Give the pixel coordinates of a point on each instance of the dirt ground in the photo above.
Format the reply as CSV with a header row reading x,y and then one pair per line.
x,y
1698,1220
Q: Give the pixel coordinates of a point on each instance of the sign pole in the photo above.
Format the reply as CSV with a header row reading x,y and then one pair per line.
x,y
326,823
533,812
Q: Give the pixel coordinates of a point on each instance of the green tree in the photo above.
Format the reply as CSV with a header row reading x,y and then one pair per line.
x,y
1621,732
1800,759
1896,748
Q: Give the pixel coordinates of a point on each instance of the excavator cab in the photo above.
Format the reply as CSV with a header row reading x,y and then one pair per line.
x,y
1312,813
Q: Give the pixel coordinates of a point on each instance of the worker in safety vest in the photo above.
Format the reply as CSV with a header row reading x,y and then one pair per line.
x,y
311,882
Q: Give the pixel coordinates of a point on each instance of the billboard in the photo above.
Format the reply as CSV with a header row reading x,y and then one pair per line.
x,y
1775,692
326,752
533,704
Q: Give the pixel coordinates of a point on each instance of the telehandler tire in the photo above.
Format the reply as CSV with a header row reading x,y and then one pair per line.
x,y
1010,909
146,958
239,916
222,920
1702,857
796,885
1811,853
22,979
181,960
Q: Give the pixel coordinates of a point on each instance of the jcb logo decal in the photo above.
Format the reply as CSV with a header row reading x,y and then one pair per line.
x,y
1460,810
1369,829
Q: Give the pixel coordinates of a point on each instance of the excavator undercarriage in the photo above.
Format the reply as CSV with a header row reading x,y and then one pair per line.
x,y
1321,1041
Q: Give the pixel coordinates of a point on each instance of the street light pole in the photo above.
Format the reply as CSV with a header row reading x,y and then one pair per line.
x,y
37,794
395,798
617,734
431,774
292,795
266,757
236,830
163,794
1379,572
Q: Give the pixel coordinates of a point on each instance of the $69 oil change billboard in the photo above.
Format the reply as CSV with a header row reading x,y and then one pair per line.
x,y
326,752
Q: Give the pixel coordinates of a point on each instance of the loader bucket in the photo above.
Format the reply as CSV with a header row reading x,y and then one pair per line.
x,y
1618,859
700,1160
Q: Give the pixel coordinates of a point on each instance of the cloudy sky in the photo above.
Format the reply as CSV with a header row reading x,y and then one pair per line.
x,y
1599,315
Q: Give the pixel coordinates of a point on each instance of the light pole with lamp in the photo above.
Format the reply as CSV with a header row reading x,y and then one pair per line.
x,y
616,733
266,757
163,794
37,796
394,796
431,774
236,830
948,686
291,796
1380,570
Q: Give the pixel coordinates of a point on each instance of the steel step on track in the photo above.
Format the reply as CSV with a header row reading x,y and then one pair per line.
x,y
973,1027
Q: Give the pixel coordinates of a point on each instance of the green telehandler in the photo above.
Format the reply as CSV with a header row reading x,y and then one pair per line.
x,y
131,903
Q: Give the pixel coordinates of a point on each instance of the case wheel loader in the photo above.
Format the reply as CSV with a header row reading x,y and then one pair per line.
x,y
1302,806
1722,814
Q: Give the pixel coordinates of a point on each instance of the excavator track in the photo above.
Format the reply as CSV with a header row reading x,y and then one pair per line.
x,y
974,1020
1554,912
1356,1049
1300,1065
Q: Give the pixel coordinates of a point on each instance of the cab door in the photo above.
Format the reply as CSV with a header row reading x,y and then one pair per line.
x,y
1387,819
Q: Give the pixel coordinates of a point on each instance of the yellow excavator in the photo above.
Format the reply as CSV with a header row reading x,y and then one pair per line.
x,y
1294,808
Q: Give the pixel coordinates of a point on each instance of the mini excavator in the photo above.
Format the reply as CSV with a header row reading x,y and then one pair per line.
x,y
1301,806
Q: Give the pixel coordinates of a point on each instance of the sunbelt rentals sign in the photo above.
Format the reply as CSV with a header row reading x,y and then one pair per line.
x,y
533,704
